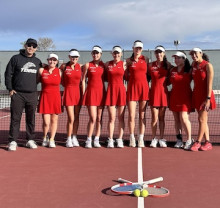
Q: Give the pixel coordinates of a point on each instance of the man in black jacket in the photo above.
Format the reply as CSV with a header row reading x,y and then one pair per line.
x,y
21,82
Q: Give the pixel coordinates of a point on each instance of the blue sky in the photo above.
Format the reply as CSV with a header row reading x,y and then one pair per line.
x,y
82,24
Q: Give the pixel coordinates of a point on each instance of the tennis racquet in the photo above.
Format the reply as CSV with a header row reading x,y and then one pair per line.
x,y
128,188
155,180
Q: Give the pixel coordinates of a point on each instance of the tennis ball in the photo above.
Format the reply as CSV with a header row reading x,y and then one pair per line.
x,y
144,193
137,192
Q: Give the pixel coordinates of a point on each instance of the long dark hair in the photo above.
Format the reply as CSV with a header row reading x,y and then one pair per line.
x,y
132,56
187,66
165,65
205,57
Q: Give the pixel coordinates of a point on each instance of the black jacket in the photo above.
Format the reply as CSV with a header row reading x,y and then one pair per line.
x,y
21,73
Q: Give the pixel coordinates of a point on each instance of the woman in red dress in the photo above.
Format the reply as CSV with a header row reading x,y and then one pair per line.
x,y
94,94
137,91
159,72
50,99
72,96
203,96
116,95
181,98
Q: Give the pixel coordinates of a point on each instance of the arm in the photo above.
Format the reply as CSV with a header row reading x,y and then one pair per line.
x,y
9,72
85,70
210,75
62,69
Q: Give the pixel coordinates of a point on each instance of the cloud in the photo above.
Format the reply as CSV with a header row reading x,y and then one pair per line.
x,y
84,23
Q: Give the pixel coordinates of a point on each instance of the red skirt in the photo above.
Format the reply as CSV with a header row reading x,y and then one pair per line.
x,y
137,91
71,96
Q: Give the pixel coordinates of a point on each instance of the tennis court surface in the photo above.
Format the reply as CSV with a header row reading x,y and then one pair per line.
x,y
80,177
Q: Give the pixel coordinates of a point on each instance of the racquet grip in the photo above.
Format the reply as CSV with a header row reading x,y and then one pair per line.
x,y
121,180
155,180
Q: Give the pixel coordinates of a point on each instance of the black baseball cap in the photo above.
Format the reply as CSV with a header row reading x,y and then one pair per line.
x,y
30,40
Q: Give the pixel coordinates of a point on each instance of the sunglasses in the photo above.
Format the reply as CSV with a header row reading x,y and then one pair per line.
x,y
31,44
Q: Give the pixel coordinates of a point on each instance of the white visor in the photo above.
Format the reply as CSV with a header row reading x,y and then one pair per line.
x,y
159,48
74,53
117,49
52,55
196,50
179,54
95,48
138,44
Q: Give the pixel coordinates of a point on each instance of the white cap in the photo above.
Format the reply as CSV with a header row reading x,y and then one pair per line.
x,y
159,48
196,50
53,55
116,48
138,44
96,48
179,54
74,53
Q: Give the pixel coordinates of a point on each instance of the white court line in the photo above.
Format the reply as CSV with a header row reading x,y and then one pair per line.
x,y
4,116
140,176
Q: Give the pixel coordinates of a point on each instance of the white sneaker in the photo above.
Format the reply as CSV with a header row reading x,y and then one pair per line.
x,y
132,142
110,143
88,144
188,144
179,144
45,142
96,143
163,143
31,144
141,143
52,144
154,143
119,143
12,146
69,143
75,142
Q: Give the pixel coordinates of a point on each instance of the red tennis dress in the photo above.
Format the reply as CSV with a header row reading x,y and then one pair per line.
x,y
181,93
116,92
50,98
95,91
71,83
199,74
158,91
138,88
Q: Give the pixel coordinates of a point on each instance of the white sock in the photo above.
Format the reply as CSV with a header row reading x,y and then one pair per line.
x,y
141,136
89,138
96,138
132,136
69,137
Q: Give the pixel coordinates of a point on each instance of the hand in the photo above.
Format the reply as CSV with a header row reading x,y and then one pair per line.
x,y
207,105
12,92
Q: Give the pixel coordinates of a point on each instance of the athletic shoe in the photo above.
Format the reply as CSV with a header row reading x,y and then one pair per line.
x,y
179,144
31,144
119,143
45,142
88,144
69,143
195,147
12,146
132,142
154,143
52,144
188,144
206,146
163,143
75,142
110,143
96,143
141,142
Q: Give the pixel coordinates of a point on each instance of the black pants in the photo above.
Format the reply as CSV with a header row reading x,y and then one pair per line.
x,y
19,102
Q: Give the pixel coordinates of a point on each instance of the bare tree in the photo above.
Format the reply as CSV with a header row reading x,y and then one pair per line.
x,y
45,44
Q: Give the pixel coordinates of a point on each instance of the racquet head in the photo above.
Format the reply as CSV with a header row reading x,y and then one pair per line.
x,y
128,188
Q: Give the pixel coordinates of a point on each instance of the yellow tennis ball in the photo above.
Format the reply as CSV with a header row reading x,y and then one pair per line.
x,y
144,193
137,192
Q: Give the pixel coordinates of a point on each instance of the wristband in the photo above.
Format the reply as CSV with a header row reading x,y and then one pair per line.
x,y
208,98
